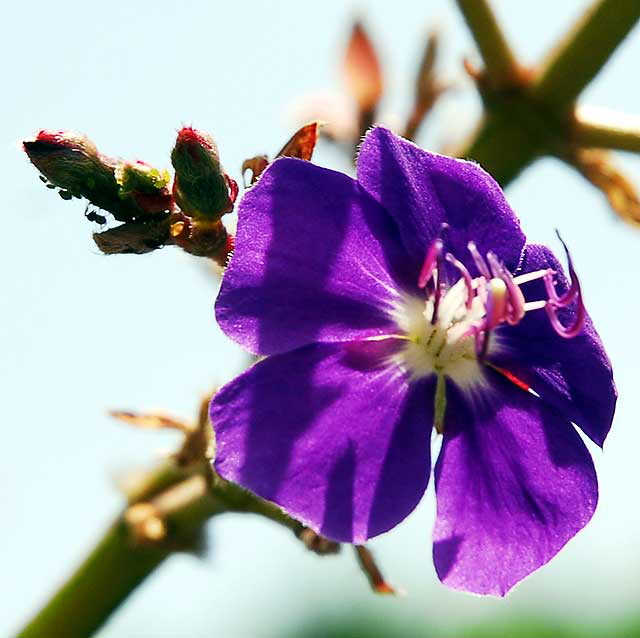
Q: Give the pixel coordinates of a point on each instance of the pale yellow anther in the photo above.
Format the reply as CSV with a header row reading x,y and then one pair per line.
x,y
496,301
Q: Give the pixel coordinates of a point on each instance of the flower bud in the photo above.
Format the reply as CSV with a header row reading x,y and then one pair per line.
x,y
201,237
72,163
362,70
201,187
135,238
146,185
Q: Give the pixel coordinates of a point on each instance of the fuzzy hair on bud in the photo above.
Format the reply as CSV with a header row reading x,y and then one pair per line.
x,y
72,163
201,187
146,185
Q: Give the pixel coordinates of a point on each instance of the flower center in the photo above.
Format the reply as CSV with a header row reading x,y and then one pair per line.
x,y
451,330
440,338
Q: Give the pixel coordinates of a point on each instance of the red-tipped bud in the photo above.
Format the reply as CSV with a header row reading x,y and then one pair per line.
x,y
72,163
362,70
201,187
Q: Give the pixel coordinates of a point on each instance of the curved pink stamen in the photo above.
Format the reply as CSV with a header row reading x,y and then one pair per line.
x,y
430,263
572,331
566,298
573,294
468,282
574,290
480,263
494,264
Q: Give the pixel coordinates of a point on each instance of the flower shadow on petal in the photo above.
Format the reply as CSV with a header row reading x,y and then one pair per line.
x,y
313,398
406,468
324,252
339,505
310,401
422,191
447,552
341,445
571,375
317,260
514,482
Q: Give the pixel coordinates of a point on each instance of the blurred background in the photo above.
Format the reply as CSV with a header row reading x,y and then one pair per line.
x,y
81,333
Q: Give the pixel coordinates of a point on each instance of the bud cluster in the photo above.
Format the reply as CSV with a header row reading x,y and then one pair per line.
x,y
152,211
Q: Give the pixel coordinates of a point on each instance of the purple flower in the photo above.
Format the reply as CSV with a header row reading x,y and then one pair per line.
x,y
404,299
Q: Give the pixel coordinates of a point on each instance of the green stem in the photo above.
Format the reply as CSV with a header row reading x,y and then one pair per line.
x,y
596,135
500,63
511,135
118,564
115,567
523,124
585,50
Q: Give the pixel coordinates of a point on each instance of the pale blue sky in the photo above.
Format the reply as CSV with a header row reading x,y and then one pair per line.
x,y
81,333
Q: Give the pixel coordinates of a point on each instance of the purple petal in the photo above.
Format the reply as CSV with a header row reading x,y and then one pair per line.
x,y
332,434
421,191
573,375
514,482
316,260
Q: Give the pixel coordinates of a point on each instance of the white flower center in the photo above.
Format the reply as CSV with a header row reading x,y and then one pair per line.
x,y
446,347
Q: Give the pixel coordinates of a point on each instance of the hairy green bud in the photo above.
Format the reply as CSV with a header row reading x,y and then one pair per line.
x,y
201,187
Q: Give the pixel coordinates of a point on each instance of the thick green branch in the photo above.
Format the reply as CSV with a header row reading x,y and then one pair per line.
x,y
500,62
119,563
501,147
522,122
607,135
116,566
585,50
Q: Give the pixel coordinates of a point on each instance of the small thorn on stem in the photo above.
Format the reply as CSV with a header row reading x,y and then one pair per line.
x,y
371,571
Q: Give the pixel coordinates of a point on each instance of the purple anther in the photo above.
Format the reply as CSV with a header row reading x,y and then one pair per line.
x,y
550,287
572,331
430,263
574,289
480,263
568,297
573,292
465,275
